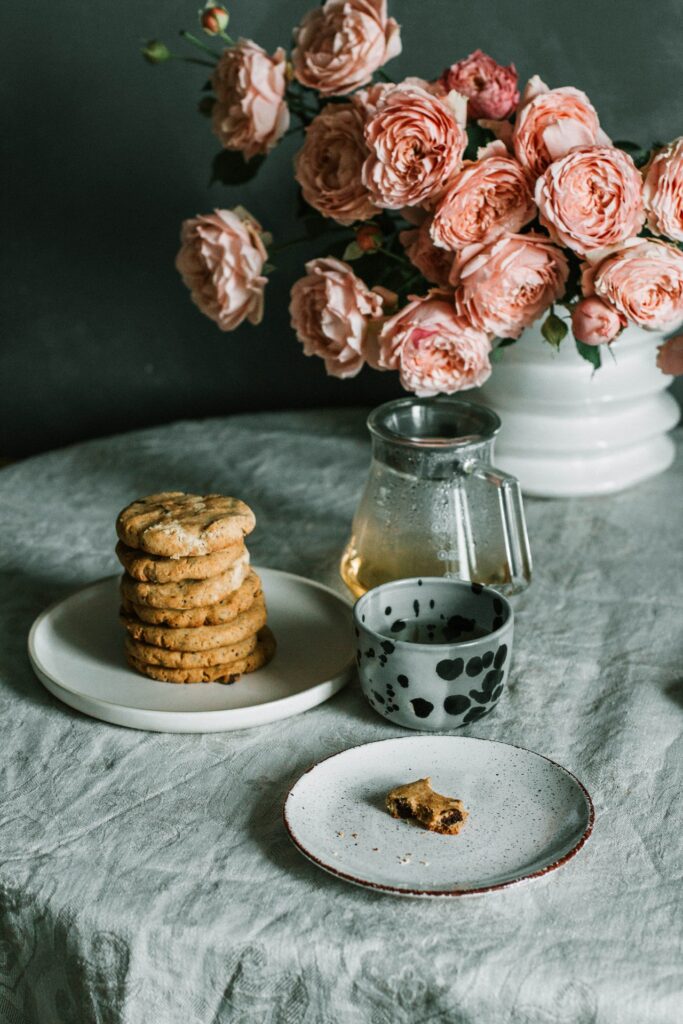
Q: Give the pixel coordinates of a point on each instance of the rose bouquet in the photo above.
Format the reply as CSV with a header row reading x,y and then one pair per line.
x,y
468,211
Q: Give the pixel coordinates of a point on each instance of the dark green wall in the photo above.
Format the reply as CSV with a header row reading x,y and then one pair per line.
x,y
105,156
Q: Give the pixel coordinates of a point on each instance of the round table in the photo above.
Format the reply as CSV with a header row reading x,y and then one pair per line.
x,y
148,878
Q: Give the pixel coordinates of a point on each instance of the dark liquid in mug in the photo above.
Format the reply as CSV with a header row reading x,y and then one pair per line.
x,y
456,629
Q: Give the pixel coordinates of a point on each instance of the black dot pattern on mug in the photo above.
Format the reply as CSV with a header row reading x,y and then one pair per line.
x,y
391,705
478,677
489,684
456,704
474,666
450,668
422,708
486,669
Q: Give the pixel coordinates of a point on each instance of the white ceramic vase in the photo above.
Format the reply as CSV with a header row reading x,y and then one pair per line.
x,y
568,431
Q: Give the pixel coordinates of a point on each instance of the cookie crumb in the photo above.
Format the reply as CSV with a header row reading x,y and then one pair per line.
x,y
340,834
405,859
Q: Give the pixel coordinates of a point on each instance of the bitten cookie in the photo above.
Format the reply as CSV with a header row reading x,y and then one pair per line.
x,y
260,656
205,615
417,800
198,638
157,569
175,524
187,593
152,655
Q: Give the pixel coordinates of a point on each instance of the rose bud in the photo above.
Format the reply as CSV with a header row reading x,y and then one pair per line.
x,y
156,52
214,20
670,356
369,238
595,323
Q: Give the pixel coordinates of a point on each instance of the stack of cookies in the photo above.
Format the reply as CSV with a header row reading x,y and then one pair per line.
x,y
192,606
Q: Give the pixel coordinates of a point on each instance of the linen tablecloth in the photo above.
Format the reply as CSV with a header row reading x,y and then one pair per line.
x,y
147,878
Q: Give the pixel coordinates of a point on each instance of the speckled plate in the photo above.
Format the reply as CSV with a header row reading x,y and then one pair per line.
x,y
76,649
528,816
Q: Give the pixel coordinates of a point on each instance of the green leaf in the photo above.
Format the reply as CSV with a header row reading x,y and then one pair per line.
x,y
476,138
639,154
591,353
353,251
230,168
497,353
553,330
156,52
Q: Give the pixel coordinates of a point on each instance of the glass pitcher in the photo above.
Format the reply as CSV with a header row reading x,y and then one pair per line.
x,y
433,504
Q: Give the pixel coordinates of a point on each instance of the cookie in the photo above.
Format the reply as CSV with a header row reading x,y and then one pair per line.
x,y
261,655
206,615
157,569
152,655
197,638
187,593
417,800
176,525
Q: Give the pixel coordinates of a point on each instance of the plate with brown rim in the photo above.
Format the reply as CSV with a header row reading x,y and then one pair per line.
x,y
527,816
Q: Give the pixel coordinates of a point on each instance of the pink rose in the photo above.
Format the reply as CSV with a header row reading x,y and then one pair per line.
x,y
434,264
594,322
329,166
341,44
551,122
670,356
221,261
368,100
250,113
491,89
643,280
484,200
664,192
416,145
435,349
506,285
591,198
331,310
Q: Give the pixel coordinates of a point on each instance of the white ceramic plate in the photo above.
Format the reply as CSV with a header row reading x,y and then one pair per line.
x,y
528,816
76,649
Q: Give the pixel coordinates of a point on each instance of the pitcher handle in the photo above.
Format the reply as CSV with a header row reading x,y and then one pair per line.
x,y
512,518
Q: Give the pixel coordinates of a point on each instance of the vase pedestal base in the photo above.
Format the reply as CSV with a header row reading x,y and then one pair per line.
x,y
561,476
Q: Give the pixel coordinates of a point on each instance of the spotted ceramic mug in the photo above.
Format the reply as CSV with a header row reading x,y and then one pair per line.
x,y
433,653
